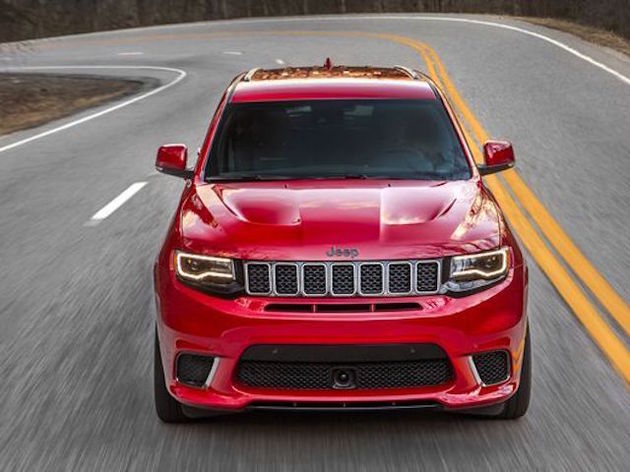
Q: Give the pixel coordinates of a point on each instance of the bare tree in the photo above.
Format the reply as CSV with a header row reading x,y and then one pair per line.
x,y
22,19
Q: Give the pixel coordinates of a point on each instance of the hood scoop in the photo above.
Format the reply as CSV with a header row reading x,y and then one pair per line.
x,y
387,206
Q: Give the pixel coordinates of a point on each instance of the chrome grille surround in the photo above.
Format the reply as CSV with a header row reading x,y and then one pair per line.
x,y
306,289
310,283
345,283
281,281
394,277
367,279
427,278
253,269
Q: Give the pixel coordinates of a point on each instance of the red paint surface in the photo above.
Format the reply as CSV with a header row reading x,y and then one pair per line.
x,y
498,153
301,220
331,89
172,156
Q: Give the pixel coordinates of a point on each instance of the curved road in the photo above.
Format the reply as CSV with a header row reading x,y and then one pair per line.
x,y
76,309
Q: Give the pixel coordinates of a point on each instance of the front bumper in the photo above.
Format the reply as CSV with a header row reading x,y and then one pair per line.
x,y
193,322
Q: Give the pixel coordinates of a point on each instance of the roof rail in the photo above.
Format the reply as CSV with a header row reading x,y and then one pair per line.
x,y
422,75
250,74
426,78
410,72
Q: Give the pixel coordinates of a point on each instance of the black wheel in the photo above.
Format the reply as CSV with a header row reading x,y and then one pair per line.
x,y
517,406
167,408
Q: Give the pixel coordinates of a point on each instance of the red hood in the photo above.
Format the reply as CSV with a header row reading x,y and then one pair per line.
x,y
301,220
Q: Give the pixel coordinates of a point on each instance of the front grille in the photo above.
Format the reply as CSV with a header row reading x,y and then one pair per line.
x,y
493,367
314,277
367,375
399,278
311,279
193,370
427,277
258,278
286,279
317,367
343,279
371,279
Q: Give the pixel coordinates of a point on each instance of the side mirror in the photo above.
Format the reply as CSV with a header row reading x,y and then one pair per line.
x,y
171,159
497,156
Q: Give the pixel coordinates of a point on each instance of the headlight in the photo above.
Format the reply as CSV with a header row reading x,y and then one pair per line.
x,y
473,271
204,270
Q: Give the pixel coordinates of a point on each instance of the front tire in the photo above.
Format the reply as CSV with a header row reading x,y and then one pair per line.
x,y
167,408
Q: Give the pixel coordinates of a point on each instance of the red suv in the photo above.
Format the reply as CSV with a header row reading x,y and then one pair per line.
x,y
335,248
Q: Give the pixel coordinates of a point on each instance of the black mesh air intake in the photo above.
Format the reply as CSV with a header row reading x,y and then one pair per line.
x,y
314,279
365,367
193,370
258,278
286,277
427,276
371,279
367,375
343,279
399,277
493,367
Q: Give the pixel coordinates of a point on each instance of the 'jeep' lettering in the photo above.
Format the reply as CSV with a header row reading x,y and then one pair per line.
x,y
342,252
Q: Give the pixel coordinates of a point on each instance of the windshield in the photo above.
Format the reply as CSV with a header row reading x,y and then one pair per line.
x,y
398,139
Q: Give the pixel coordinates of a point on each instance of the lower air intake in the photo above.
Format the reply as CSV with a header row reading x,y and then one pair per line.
x,y
194,370
493,367
325,367
364,375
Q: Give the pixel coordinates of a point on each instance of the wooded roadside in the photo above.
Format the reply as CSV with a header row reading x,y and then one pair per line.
x,y
27,19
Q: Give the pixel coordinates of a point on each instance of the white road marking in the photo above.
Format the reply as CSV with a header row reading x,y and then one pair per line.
x,y
555,42
280,61
561,45
116,203
233,53
180,76
131,53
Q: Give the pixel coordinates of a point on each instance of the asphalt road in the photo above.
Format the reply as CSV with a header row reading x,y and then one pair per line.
x,y
76,310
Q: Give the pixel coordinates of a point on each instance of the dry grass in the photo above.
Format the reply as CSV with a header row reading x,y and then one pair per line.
x,y
28,100
588,33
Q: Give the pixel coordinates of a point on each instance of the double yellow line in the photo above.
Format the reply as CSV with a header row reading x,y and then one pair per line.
x,y
610,344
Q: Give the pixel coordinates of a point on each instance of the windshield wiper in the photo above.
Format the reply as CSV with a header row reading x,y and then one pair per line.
x,y
356,176
249,178
363,177
338,176
262,177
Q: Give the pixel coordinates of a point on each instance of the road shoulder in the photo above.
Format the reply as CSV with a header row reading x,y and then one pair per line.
x,y
29,100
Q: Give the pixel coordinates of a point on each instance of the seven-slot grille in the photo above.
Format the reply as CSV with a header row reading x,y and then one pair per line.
x,y
342,279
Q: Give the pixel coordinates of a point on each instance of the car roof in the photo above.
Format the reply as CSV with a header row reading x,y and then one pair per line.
x,y
325,83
